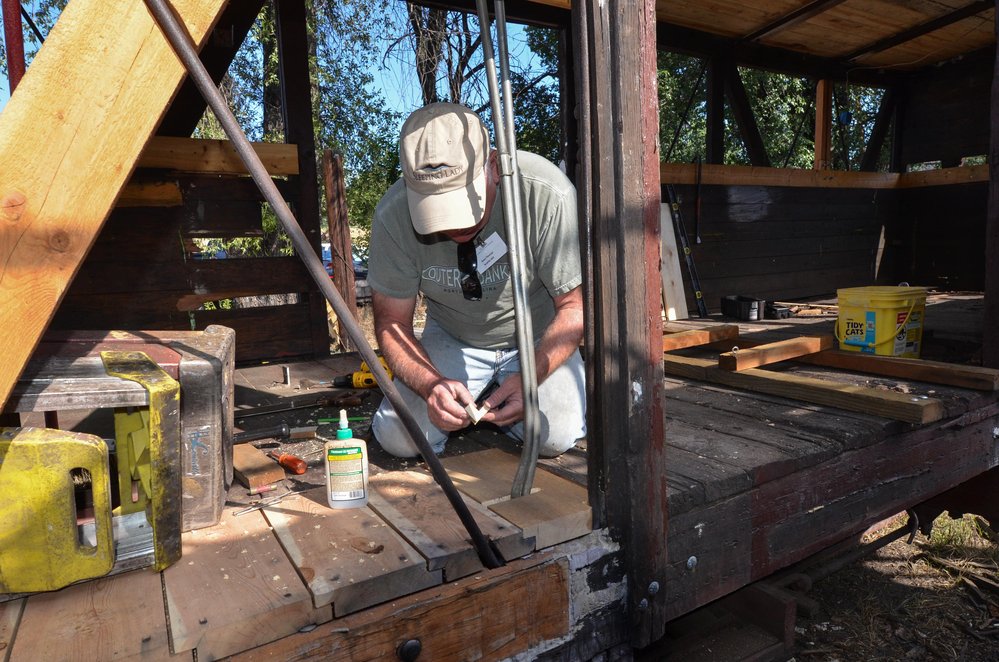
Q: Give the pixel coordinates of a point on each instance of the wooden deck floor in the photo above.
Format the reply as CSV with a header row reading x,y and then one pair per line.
x,y
756,482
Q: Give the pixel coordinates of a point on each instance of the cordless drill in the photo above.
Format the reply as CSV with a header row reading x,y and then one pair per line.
x,y
362,378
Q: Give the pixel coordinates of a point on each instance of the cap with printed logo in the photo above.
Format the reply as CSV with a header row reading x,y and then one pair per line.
x,y
443,150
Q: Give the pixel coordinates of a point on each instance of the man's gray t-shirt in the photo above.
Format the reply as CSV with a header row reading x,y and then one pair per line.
x,y
402,263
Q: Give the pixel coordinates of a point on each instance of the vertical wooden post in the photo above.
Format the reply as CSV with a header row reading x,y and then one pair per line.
x,y
339,235
623,198
715,133
990,340
823,125
14,39
296,97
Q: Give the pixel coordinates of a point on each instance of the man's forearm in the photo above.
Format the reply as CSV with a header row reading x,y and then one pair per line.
x,y
563,335
409,360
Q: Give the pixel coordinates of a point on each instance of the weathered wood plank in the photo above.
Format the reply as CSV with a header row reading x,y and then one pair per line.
x,y
774,352
234,588
696,337
114,618
83,113
846,396
413,504
215,156
556,510
491,616
350,557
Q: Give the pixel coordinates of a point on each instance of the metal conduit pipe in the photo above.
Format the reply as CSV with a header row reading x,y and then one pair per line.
x,y
513,215
14,41
181,42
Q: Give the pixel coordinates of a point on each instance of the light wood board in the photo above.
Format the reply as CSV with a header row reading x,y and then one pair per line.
x,y
900,406
775,352
416,507
115,618
69,138
215,156
347,557
234,588
698,337
674,300
557,509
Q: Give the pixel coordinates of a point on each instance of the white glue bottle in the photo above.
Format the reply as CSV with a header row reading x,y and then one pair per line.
x,y
346,468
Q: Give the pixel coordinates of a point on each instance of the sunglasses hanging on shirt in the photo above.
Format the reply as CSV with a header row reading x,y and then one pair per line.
x,y
468,264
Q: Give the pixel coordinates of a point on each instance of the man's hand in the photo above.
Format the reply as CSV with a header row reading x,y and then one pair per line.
x,y
506,403
446,405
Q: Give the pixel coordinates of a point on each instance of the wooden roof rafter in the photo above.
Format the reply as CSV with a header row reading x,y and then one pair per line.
x,y
793,18
932,25
673,37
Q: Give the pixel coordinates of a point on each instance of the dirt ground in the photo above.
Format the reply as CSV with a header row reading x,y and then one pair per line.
x,y
934,599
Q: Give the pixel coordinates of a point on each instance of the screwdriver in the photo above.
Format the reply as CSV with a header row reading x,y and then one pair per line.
x,y
292,463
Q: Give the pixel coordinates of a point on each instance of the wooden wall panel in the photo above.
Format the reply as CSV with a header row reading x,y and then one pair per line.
x,y
942,230
143,273
783,243
947,113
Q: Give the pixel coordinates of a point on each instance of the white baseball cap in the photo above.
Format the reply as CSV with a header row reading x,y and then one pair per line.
x,y
443,150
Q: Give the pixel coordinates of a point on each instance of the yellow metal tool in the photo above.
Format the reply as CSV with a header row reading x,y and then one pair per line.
x,y
42,542
153,434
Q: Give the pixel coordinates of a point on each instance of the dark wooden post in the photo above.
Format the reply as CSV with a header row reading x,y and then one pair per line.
x,y
744,117
296,97
990,340
339,235
823,125
872,153
621,194
715,132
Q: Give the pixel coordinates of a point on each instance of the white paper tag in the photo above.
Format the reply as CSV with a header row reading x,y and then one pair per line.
x,y
489,251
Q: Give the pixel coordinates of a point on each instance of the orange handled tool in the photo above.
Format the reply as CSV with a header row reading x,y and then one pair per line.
x,y
292,463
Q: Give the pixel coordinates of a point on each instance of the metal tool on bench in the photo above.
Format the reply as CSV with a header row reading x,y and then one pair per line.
x,y
181,42
143,528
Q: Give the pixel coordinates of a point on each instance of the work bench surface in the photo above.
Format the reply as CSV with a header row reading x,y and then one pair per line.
x,y
755,482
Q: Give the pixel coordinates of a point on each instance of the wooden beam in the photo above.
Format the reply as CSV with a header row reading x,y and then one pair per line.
x,y
744,117
676,38
735,175
793,18
934,372
296,98
69,139
215,156
775,352
623,199
823,125
990,341
919,30
698,337
872,153
189,106
338,228
900,406
715,132
151,194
